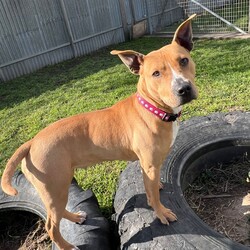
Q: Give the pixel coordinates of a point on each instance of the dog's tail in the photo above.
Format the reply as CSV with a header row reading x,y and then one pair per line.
x,y
11,166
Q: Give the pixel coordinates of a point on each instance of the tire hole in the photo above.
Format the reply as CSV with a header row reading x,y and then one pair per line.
x,y
22,230
216,196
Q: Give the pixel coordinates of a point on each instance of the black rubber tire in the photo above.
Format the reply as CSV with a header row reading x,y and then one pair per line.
x,y
93,234
201,141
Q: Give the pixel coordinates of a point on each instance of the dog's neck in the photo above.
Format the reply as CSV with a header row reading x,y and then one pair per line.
x,y
164,116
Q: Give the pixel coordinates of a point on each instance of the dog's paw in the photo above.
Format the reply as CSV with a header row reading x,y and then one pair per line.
x,y
165,215
81,217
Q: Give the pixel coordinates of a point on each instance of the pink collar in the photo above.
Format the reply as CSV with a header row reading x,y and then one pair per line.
x,y
166,117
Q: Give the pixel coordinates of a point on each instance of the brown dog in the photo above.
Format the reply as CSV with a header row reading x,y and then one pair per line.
x,y
143,127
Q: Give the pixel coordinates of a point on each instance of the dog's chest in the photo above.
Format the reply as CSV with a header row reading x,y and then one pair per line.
x,y
175,128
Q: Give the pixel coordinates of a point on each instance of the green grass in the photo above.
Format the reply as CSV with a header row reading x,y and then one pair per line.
x,y
30,103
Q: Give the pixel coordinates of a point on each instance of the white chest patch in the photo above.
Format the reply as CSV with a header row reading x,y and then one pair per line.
x,y
175,126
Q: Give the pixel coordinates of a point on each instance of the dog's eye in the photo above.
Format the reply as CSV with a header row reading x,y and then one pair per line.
x,y
184,62
156,73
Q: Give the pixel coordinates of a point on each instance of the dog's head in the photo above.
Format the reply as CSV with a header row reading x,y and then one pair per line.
x,y
166,75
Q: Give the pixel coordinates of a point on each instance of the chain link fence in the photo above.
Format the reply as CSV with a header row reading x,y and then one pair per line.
x,y
218,16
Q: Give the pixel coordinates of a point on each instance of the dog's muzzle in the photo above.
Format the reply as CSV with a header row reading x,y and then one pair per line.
x,y
184,91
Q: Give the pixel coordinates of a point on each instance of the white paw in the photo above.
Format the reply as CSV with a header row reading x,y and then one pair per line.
x,y
82,216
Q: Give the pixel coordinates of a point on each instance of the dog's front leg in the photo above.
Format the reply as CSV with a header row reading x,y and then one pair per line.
x,y
151,176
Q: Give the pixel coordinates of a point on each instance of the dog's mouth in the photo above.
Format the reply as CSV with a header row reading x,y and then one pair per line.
x,y
186,99
180,101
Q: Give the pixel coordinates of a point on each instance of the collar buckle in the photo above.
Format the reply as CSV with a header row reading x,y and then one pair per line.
x,y
171,117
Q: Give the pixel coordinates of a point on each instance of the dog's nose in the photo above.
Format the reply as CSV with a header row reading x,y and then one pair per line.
x,y
184,90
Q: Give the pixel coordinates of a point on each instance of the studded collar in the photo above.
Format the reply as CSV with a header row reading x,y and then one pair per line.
x,y
167,117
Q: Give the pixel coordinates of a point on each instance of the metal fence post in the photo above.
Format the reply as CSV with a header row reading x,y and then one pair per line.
x,y
149,18
124,19
65,17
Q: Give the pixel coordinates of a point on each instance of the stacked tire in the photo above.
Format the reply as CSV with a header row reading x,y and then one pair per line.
x,y
201,143
93,234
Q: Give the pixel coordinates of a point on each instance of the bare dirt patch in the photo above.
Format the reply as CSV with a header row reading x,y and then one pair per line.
x,y
217,197
22,230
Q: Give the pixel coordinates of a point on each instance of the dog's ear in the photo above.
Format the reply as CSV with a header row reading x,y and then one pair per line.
x,y
184,35
131,59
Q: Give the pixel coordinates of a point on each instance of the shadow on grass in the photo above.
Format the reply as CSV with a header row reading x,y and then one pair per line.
x,y
67,73
52,77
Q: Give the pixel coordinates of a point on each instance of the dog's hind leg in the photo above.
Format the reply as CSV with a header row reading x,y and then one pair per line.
x,y
55,212
52,185
78,217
